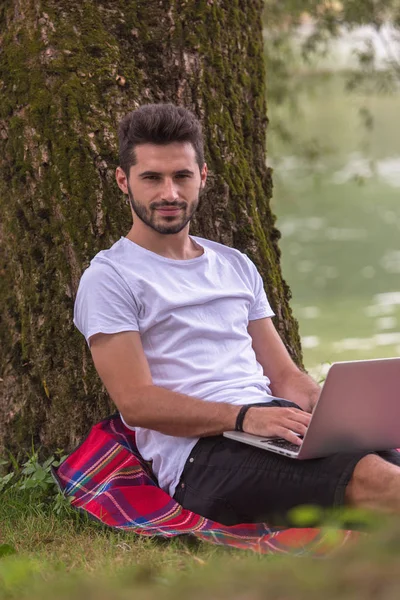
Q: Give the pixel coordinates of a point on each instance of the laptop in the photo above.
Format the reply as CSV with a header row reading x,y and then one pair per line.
x,y
358,409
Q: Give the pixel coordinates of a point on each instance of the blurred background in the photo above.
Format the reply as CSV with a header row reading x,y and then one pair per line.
x,y
333,75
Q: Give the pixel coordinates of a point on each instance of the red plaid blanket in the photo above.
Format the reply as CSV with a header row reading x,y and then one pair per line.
x,y
107,478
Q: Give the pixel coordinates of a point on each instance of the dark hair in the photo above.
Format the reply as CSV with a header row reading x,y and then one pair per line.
x,y
158,124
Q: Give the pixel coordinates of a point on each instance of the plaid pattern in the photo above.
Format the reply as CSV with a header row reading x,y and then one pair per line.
x,y
107,478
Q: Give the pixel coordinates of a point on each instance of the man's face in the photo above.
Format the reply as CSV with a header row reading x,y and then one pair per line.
x,y
164,186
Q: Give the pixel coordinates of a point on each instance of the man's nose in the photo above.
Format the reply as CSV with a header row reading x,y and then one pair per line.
x,y
169,191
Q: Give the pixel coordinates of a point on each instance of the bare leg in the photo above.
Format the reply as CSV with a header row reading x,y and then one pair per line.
x,y
375,485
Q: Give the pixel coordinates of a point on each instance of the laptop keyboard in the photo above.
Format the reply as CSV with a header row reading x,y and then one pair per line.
x,y
281,443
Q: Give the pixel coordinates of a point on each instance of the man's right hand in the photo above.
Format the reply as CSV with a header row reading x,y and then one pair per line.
x,y
277,422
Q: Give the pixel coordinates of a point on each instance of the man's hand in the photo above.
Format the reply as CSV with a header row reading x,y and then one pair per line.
x,y
277,422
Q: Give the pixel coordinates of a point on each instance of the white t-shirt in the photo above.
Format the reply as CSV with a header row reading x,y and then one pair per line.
x,y
192,316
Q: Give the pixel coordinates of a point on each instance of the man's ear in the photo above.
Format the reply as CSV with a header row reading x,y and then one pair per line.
x,y
121,180
203,175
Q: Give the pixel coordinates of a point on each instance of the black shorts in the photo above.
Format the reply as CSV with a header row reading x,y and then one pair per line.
x,y
231,482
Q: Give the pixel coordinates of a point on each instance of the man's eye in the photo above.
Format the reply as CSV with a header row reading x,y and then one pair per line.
x,y
151,177
182,176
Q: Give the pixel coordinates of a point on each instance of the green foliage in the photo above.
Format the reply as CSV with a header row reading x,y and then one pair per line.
x,y
35,480
144,570
335,519
7,550
330,17
5,480
291,54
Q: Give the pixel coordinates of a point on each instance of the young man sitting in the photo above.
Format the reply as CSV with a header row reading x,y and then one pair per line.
x,y
181,334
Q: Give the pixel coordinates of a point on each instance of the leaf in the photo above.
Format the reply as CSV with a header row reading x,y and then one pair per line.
x,y
306,516
7,550
40,474
48,462
58,462
5,480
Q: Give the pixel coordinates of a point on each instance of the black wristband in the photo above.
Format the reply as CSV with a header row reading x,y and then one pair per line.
x,y
241,415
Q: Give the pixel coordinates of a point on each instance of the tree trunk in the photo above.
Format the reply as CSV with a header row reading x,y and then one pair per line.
x,y
69,71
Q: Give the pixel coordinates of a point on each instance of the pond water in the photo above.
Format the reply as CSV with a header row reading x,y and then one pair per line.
x,y
339,215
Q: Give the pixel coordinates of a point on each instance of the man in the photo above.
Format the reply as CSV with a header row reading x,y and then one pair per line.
x,y
181,334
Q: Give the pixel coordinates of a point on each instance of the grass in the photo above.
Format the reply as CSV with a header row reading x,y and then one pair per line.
x,y
47,555
41,547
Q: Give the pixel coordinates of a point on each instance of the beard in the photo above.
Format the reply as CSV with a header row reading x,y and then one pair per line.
x,y
164,224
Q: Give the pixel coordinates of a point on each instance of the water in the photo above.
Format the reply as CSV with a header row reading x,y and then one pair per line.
x,y
339,215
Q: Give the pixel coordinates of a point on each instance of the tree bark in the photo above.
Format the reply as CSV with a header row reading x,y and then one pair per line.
x,y
69,71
